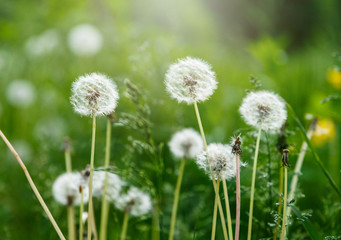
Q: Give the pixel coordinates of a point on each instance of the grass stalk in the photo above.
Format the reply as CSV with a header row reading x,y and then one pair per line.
x,y
91,176
284,203
249,232
33,186
237,227
105,204
125,225
279,209
215,211
176,199
228,212
211,172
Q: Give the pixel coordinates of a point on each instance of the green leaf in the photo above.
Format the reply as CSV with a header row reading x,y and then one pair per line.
x,y
315,156
309,227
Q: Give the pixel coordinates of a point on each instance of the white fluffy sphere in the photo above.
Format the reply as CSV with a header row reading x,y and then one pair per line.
x,y
85,40
21,93
95,94
186,143
190,79
264,108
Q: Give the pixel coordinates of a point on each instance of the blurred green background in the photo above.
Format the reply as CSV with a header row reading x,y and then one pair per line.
x,y
291,47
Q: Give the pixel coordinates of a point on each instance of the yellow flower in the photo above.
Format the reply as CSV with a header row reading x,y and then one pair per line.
x,y
334,78
325,131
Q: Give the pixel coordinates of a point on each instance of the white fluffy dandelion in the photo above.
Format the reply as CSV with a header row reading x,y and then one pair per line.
x,y
43,43
21,93
135,201
65,189
190,80
94,93
265,108
220,159
186,143
85,40
114,185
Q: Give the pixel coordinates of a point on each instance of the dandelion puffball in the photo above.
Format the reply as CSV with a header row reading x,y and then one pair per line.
x,y
43,43
85,40
21,93
135,201
94,94
221,160
114,185
265,108
65,189
186,143
190,79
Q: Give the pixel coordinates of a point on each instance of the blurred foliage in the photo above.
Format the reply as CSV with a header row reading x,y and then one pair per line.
x,y
288,47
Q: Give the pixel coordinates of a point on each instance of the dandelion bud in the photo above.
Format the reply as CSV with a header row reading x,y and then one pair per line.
x,y
220,159
135,201
190,80
265,108
94,94
186,143
65,189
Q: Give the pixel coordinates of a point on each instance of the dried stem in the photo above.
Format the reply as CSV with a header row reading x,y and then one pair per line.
x,y
253,183
176,199
228,212
33,186
211,172
236,237
91,175
105,204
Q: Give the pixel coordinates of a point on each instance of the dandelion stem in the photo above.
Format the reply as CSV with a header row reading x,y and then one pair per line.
x,y
176,199
71,222
33,186
215,210
105,204
91,175
70,207
253,183
284,202
81,210
236,237
216,190
125,225
280,191
228,212
94,229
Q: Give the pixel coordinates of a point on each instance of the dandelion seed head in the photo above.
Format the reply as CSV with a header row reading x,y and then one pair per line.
x,y
85,40
190,79
186,143
114,185
94,93
43,43
263,107
221,160
65,189
137,202
21,93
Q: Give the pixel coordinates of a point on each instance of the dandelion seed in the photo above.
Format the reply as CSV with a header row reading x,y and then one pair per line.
x,y
135,201
85,40
20,93
190,80
263,108
221,160
95,94
65,189
114,185
186,143
43,43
